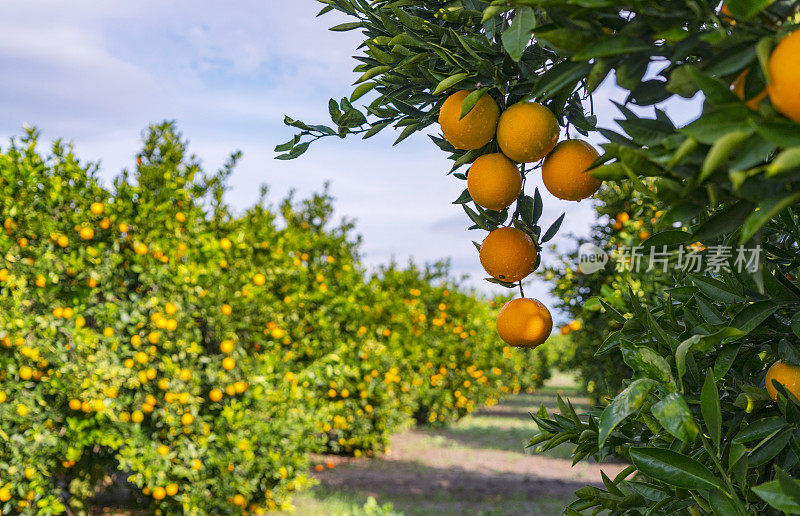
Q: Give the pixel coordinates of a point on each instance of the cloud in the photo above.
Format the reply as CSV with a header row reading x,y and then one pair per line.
x,y
97,73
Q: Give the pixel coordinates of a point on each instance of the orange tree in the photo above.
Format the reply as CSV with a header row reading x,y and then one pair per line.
x,y
709,414
151,336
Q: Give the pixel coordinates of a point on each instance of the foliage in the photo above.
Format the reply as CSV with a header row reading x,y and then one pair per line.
x,y
694,418
150,334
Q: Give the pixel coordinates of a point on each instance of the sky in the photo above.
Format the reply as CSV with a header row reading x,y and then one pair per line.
x,y
96,73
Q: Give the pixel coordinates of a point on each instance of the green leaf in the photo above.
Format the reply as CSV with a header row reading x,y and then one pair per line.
x,y
760,429
722,504
627,402
746,9
559,76
470,101
646,362
772,493
372,72
343,27
517,36
613,45
795,323
718,121
753,315
674,468
788,485
722,149
787,161
703,343
674,415
715,289
464,198
709,407
361,90
724,221
553,229
767,210
666,238
449,82
715,91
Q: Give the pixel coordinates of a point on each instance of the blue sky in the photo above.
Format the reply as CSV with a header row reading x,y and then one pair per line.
x,y
97,72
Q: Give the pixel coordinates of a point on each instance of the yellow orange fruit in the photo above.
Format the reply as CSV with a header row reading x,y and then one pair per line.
x,y
215,395
565,171
187,419
524,322
474,130
493,181
786,375
565,330
527,132
86,233
75,404
228,363
97,208
259,279
575,326
508,254
159,493
171,489
784,76
738,87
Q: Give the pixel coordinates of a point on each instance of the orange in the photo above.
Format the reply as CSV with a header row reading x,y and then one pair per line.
x,y
159,493
474,130
527,132
508,254
259,279
494,181
228,363
172,489
215,395
565,330
784,76
644,234
97,208
524,323
187,419
623,217
575,325
738,86
75,404
786,375
565,173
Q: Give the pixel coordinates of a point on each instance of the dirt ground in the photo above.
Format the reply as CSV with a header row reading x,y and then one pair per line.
x,y
479,466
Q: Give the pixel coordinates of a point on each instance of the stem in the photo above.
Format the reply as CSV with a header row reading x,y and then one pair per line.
x,y
521,292
721,471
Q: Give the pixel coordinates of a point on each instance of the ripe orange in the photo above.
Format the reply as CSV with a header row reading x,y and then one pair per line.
x,y
227,309
565,330
565,173
786,375
97,208
474,130
159,493
494,181
319,467
75,404
172,489
738,86
524,322
228,363
259,279
187,419
575,325
644,234
508,254
215,395
784,76
527,132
